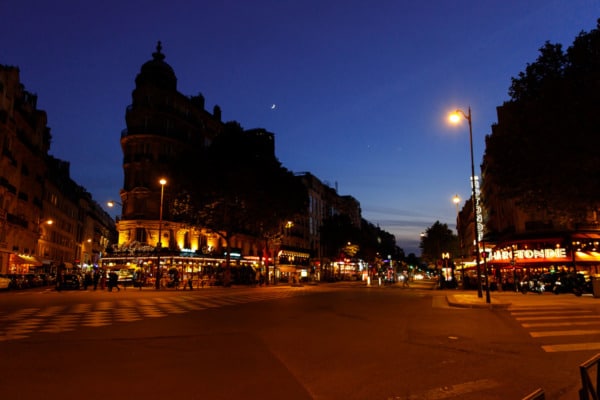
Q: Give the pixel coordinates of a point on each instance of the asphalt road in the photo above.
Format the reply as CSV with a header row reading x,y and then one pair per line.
x,y
341,341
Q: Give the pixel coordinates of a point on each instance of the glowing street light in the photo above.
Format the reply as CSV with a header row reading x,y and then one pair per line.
x,y
455,118
162,182
112,203
456,201
81,258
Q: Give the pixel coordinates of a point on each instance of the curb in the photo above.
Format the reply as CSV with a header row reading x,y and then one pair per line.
x,y
477,303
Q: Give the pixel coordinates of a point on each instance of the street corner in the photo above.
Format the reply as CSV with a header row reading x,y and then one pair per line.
x,y
464,300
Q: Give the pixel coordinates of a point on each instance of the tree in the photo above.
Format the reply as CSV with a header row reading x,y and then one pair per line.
x,y
244,189
376,243
543,151
336,232
438,239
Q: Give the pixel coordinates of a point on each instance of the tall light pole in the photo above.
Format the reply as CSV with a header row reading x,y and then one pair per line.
x,y
455,118
456,201
162,182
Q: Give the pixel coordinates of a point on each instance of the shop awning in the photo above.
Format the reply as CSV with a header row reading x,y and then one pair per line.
x,y
290,253
588,236
24,260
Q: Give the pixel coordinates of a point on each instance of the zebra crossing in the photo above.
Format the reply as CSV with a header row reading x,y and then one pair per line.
x,y
561,329
53,319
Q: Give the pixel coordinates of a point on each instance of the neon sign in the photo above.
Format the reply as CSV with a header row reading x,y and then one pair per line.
x,y
478,209
530,255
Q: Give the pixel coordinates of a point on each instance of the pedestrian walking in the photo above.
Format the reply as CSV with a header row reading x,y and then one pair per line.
x,y
405,279
102,280
113,281
96,279
87,280
141,278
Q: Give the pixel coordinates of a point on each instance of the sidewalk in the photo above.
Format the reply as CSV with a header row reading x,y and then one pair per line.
x,y
504,300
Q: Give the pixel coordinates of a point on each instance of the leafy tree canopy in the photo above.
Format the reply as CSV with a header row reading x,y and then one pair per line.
x,y
377,243
438,239
243,189
336,232
544,149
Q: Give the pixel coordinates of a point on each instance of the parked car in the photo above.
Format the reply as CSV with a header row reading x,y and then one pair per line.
x,y
70,282
4,283
17,282
34,280
48,279
570,283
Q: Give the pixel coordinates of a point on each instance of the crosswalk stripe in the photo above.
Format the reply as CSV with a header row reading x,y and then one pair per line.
x,y
573,332
548,312
554,348
558,317
50,311
535,321
62,318
550,324
21,314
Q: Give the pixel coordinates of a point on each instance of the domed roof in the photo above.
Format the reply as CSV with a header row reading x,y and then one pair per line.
x,y
157,72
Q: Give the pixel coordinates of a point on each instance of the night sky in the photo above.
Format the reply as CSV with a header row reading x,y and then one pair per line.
x,y
356,92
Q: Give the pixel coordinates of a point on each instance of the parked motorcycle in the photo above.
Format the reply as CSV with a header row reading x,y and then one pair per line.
x,y
533,286
569,283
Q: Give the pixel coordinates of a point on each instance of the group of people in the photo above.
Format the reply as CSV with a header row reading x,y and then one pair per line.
x,y
99,278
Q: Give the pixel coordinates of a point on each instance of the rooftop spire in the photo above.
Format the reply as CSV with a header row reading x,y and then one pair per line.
x,y
157,55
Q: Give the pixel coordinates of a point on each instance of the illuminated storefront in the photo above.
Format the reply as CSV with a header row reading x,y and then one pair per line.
x,y
510,260
202,270
22,264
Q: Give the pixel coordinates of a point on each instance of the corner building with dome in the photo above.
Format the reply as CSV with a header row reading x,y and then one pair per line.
x,y
164,126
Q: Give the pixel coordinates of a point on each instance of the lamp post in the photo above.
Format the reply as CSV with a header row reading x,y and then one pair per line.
x,y
111,204
81,256
162,182
455,118
456,200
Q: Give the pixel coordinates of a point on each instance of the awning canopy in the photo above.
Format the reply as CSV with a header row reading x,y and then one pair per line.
x,y
290,253
24,260
586,235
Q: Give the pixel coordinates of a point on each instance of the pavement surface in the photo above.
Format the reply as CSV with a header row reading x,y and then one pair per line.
x,y
469,299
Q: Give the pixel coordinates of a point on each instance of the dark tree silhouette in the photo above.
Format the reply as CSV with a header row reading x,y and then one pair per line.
x,y
244,190
544,149
438,239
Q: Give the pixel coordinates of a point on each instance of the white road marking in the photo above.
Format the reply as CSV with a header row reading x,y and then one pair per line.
x,y
554,348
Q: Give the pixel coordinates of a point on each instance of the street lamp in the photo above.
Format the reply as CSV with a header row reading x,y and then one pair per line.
x,y
456,201
112,204
81,256
455,118
162,182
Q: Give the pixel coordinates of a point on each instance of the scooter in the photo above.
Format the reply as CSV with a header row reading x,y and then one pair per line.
x,y
531,286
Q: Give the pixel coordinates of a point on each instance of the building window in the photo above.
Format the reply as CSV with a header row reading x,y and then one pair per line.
x,y
140,235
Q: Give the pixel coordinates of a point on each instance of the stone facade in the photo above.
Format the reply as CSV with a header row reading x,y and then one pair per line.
x,y
36,188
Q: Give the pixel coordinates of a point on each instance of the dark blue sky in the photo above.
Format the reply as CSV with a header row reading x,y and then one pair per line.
x,y
361,89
